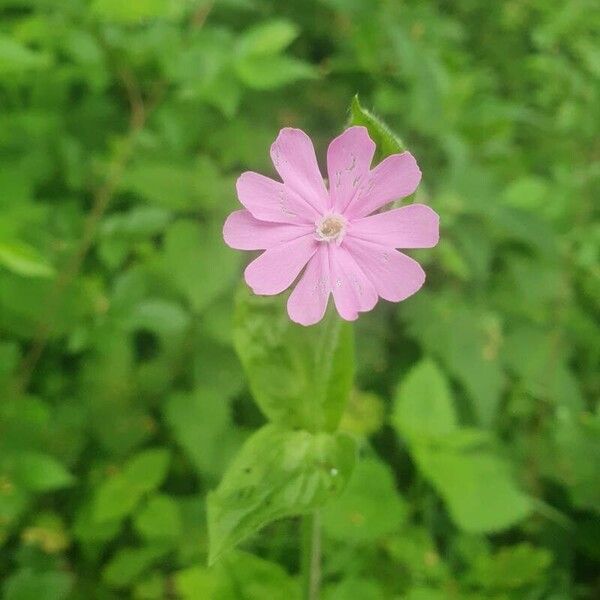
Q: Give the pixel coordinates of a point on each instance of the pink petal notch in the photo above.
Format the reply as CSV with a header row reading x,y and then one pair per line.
x,y
349,159
293,156
412,226
308,302
332,242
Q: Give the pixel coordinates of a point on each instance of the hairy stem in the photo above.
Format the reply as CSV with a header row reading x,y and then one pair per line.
x,y
311,556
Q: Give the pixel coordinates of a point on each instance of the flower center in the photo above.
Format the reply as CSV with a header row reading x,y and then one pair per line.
x,y
331,228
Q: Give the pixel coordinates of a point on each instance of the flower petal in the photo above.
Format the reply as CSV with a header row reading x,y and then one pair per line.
x,y
412,226
349,159
294,158
397,176
353,292
394,275
243,232
276,268
270,200
308,302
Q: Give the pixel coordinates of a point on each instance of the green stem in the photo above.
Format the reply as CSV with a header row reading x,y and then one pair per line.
x,y
311,556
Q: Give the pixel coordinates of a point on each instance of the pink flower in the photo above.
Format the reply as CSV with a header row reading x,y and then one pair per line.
x,y
328,237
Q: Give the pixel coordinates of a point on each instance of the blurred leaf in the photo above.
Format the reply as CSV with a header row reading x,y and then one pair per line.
x,y
575,456
387,142
269,37
511,567
138,10
159,519
28,584
248,576
129,563
191,252
17,58
353,587
270,72
41,472
423,407
120,494
476,486
277,473
195,582
299,376
200,423
369,508
467,342
24,260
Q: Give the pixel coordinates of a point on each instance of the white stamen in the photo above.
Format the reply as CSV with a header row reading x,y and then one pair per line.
x,y
331,228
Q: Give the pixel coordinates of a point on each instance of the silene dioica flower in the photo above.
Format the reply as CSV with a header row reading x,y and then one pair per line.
x,y
333,239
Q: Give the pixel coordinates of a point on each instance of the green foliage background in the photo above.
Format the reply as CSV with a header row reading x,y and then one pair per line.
x,y
123,126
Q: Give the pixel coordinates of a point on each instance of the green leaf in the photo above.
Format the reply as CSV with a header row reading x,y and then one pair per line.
x,y
159,519
369,508
387,142
277,473
191,251
41,472
195,582
29,584
16,58
511,568
199,422
299,376
476,486
119,495
271,72
244,575
129,563
423,406
138,10
23,259
269,37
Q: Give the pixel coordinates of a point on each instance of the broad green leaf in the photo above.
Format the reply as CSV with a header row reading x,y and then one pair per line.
x,y
120,494
39,472
467,342
17,58
243,575
24,260
277,473
191,253
387,142
29,584
354,587
269,37
159,519
369,508
129,563
199,422
168,185
510,568
271,72
477,487
195,582
137,10
575,457
14,501
299,376
424,407
161,316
